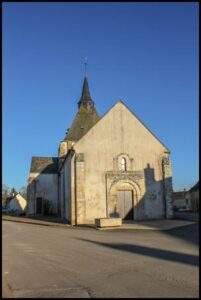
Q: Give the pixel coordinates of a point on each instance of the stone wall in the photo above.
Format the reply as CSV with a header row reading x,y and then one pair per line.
x,y
80,188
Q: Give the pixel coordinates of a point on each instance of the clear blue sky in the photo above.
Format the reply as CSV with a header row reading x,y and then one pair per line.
x,y
143,53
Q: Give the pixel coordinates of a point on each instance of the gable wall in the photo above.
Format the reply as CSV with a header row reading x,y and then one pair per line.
x,y
119,131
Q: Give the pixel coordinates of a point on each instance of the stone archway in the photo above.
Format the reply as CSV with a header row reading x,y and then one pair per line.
x,y
127,186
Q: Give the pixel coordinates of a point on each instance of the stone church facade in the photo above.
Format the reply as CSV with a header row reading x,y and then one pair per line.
x,y
107,167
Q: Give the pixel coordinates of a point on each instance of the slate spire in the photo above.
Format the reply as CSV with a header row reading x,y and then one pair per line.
x,y
86,116
85,99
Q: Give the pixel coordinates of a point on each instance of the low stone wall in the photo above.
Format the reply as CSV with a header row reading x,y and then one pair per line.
x,y
108,222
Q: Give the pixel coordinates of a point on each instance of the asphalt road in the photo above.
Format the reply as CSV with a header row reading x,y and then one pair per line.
x,y
41,261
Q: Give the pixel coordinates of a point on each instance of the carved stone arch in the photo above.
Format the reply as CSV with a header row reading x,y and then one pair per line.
x,y
122,185
133,184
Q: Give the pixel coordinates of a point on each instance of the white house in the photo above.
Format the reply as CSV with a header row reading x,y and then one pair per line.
x,y
17,204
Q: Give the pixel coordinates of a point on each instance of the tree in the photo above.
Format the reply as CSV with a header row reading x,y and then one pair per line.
x,y
5,194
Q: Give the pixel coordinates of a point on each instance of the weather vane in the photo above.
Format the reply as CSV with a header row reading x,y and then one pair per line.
x,y
85,66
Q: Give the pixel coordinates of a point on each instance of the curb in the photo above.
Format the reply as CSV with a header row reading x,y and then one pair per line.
x,y
147,228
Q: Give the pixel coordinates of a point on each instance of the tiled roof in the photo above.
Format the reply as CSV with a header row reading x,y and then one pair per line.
x,y
47,165
84,120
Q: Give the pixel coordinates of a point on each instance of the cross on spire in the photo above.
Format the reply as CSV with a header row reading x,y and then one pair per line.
x,y
85,66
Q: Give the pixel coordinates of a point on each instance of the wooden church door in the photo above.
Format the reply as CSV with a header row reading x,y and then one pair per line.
x,y
125,205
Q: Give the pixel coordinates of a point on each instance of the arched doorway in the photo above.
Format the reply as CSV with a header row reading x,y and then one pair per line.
x,y
123,198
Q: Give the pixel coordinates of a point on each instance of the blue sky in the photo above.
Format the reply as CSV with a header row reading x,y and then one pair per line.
x,y
143,53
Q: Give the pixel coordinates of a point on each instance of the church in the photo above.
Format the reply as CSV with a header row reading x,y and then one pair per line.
x,y
107,167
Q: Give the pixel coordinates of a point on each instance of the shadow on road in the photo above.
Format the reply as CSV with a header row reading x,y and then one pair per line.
x,y
152,252
188,233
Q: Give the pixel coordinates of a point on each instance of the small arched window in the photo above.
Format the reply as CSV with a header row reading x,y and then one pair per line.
x,y
123,164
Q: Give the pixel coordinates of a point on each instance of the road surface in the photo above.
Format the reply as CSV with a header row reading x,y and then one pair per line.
x,y
42,261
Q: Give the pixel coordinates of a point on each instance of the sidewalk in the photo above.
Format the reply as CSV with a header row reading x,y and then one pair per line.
x,y
131,225
151,225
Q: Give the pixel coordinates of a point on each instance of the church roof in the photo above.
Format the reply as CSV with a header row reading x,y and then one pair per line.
x,y
45,165
86,116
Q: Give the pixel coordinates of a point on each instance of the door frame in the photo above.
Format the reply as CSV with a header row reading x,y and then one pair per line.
x,y
112,185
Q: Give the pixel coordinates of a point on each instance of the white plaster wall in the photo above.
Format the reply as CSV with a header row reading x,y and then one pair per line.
x,y
30,197
46,187
119,131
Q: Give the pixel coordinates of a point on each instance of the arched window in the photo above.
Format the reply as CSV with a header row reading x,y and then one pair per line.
x,y
123,164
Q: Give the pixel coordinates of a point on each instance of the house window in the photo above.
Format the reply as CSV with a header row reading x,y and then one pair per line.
x,y
123,164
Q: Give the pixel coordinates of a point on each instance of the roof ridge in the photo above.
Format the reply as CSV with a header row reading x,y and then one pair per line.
x,y
44,164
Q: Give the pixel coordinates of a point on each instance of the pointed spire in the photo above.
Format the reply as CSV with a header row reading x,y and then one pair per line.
x,y
86,116
85,99
85,90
